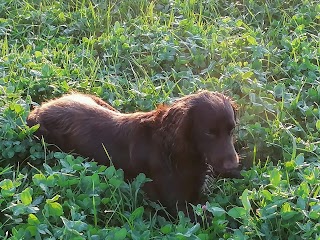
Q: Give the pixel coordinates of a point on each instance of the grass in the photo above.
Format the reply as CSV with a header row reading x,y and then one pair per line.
x,y
136,55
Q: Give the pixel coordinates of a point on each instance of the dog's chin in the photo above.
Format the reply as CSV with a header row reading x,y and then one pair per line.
x,y
233,173
236,173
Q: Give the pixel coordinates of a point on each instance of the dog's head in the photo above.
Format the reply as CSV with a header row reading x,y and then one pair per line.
x,y
208,122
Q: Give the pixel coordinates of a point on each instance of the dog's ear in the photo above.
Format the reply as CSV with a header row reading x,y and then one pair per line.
x,y
176,125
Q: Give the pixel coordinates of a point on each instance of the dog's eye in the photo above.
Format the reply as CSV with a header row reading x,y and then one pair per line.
x,y
212,133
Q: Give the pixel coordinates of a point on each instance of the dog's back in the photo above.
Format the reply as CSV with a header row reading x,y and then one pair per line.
x,y
67,118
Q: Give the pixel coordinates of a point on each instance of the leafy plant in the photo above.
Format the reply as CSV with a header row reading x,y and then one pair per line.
x,y
136,55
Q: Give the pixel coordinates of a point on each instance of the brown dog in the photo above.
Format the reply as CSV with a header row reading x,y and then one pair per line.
x,y
172,145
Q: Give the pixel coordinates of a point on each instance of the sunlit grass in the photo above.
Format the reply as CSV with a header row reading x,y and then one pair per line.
x,y
137,55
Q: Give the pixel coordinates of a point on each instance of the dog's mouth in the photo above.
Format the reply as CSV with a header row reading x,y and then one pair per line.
x,y
224,173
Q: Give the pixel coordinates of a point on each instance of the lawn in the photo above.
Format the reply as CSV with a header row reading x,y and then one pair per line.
x,y
137,55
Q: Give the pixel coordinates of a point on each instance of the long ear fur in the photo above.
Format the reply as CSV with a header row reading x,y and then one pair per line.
x,y
176,124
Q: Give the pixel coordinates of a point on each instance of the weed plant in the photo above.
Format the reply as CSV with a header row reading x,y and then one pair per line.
x,y
136,55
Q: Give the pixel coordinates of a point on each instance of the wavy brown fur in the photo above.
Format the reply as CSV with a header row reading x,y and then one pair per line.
x,y
172,145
